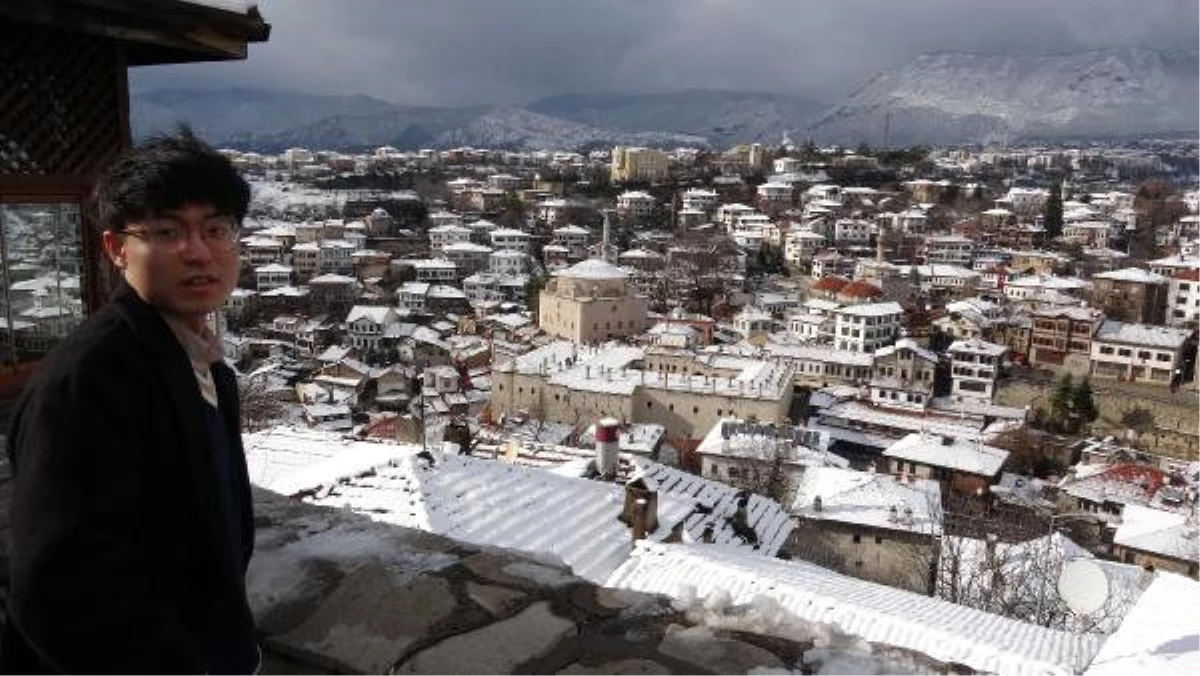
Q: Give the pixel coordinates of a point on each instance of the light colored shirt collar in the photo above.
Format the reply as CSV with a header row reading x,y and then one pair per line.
x,y
203,350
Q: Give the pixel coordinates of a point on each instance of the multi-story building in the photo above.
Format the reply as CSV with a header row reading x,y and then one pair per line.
x,y
801,245
851,232
272,276
974,368
1137,352
638,164
468,257
590,302
903,376
1131,295
866,327
567,382
871,526
636,204
306,260
510,239
1183,298
1061,338
574,238
698,199
365,325
775,196
334,257
949,250
449,233
507,262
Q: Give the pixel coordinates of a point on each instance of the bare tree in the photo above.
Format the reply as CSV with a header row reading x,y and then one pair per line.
x,y
260,407
1019,580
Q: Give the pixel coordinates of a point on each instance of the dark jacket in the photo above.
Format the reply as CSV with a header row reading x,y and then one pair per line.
x,y
120,559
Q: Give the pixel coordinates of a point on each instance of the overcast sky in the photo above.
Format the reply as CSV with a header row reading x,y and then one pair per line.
x,y
461,52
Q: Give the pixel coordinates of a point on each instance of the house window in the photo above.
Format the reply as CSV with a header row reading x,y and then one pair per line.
x,y
695,410
857,538
878,540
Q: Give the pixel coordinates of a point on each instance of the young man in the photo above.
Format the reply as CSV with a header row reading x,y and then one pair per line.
x,y
131,512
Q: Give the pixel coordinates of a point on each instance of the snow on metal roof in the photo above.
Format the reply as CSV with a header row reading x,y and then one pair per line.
x,y
873,612
947,451
1158,636
485,502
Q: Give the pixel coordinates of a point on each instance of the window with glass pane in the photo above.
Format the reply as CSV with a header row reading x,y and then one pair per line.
x,y
41,255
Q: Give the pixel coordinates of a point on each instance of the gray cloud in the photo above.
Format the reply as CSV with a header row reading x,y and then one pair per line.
x,y
458,52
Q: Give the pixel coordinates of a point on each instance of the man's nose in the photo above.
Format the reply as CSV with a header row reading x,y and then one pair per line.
x,y
195,245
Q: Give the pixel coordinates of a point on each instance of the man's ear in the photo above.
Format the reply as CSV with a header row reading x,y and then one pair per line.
x,y
114,246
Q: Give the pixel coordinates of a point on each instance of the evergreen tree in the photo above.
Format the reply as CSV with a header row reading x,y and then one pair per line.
x,y
1053,212
533,290
1083,404
1060,401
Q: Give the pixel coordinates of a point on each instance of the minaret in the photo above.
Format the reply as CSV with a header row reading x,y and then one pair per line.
x,y
604,238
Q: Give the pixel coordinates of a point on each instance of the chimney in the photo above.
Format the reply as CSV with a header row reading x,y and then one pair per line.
x,y
607,447
640,509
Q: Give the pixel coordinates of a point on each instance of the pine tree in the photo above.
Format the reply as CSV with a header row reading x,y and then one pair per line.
x,y
1083,405
1060,401
1053,212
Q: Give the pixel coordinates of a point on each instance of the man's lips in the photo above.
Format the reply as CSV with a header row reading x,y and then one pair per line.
x,y
200,280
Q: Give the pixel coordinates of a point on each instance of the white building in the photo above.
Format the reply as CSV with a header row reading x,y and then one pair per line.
x,y
851,232
507,262
365,325
1137,352
866,327
511,240
1183,298
635,204
272,276
441,235
974,368
949,250
698,199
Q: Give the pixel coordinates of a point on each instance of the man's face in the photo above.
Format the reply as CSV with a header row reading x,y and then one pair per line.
x,y
178,262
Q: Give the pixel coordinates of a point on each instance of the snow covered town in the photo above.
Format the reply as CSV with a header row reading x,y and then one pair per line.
x,y
776,408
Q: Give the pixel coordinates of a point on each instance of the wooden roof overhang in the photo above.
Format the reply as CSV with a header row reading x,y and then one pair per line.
x,y
149,31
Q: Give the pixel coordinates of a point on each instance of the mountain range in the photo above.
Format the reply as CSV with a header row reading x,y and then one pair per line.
x,y
939,98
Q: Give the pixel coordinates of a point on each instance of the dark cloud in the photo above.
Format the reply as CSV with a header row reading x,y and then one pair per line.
x,y
457,52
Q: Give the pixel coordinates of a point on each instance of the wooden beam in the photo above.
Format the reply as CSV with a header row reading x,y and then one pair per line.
x,y
174,31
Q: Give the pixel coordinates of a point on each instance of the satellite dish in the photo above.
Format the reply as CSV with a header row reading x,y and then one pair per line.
x,y
1083,586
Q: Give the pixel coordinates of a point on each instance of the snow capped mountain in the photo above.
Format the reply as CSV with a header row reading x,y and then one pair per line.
x,y
521,129
724,117
950,97
273,121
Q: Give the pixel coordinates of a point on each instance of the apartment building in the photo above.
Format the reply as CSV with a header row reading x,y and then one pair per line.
x,y
866,327
1183,298
1061,338
1131,295
638,164
975,368
1138,352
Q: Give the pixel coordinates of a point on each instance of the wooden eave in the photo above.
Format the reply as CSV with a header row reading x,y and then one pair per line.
x,y
149,31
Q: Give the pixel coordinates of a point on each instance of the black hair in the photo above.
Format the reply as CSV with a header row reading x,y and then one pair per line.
x,y
166,173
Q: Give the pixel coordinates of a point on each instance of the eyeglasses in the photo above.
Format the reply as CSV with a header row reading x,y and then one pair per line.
x,y
220,233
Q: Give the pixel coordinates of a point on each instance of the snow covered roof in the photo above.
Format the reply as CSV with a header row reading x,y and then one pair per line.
x,y
946,451
873,612
1135,275
1153,530
593,268
869,499
1158,636
1141,335
375,314
977,346
871,309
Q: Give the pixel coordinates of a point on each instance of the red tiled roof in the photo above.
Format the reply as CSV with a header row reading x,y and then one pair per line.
x,y
830,283
1192,275
860,289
